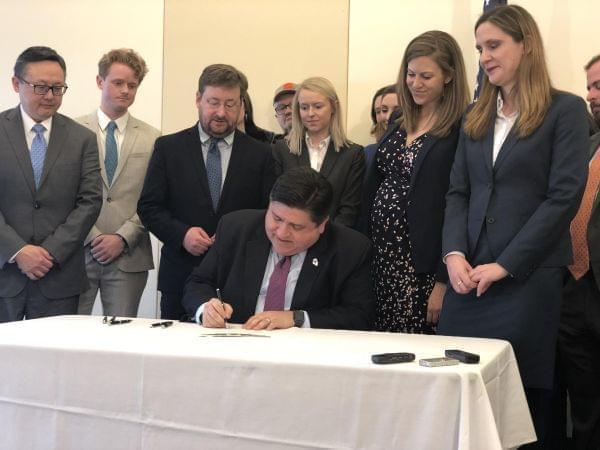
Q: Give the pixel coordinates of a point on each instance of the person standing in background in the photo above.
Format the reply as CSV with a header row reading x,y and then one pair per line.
x,y
51,193
318,140
406,185
515,185
384,104
118,253
197,175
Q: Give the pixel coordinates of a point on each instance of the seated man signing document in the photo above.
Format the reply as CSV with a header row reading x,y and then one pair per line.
x,y
286,266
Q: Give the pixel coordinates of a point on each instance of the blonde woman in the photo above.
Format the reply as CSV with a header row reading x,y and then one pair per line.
x,y
318,140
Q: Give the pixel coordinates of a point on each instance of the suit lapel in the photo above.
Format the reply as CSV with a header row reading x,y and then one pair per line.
x,y
236,162
16,136
506,148
487,145
58,136
331,156
257,252
316,259
91,122
430,141
194,150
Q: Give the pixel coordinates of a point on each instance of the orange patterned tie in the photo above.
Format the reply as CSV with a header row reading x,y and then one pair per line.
x,y
579,225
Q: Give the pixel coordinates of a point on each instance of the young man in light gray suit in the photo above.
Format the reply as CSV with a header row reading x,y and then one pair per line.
x,y
51,194
118,254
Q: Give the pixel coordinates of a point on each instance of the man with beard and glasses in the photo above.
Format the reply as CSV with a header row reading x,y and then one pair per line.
x,y
197,175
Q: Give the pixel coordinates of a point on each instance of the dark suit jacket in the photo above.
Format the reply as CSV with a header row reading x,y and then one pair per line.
x,y
527,199
425,211
336,292
344,170
593,233
176,196
58,214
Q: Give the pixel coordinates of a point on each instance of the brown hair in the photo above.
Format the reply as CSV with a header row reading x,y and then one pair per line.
x,y
125,56
533,88
591,62
222,75
445,51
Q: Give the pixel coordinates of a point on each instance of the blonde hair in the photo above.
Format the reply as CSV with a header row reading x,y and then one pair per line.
x,y
533,88
125,56
324,87
445,51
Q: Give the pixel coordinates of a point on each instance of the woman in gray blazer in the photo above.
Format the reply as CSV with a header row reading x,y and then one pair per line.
x,y
515,185
318,140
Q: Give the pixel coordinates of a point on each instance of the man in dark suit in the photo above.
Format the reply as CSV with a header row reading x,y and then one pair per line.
x,y
199,174
51,194
579,332
287,266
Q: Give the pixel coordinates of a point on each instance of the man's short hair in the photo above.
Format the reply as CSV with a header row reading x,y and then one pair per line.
x,y
37,54
306,189
222,75
125,56
591,62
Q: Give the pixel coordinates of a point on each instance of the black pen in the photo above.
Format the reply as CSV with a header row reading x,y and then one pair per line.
x,y
222,304
165,324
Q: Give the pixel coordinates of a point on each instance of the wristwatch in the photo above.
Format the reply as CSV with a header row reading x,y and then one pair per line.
x,y
298,318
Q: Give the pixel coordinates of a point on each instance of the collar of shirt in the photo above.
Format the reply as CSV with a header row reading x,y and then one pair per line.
x,y
320,147
317,153
500,113
103,121
28,124
205,137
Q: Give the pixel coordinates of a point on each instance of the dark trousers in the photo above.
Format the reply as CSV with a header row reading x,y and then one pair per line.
x,y
30,303
170,306
579,358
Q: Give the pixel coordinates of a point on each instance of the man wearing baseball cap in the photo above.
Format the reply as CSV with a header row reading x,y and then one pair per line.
x,y
282,102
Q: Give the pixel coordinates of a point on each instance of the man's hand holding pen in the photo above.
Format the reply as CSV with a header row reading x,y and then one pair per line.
x,y
216,313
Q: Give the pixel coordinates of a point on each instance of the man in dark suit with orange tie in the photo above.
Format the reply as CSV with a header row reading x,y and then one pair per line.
x,y
199,174
579,333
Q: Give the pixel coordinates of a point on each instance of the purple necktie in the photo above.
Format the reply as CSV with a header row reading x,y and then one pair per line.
x,y
275,298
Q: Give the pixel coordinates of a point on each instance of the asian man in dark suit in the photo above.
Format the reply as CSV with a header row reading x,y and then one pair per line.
x,y
287,266
51,194
199,174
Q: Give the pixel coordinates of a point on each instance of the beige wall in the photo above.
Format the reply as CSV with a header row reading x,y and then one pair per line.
x,y
271,41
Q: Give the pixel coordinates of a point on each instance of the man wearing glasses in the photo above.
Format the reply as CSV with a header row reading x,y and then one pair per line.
x,y
282,103
199,174
51,194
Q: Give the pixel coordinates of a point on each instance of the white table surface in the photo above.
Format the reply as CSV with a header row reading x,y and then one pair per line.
x,y
72,382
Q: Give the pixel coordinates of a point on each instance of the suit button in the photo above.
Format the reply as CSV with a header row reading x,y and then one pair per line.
x,y
108,199
36,205
490,220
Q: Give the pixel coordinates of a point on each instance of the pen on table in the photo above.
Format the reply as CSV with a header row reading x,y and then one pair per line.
x,y
165,324
222,304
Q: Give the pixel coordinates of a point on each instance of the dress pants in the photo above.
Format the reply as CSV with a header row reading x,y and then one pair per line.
x,y
120,292
30,303
579,356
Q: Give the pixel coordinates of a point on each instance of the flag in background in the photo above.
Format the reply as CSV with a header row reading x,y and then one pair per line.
x,y
487,5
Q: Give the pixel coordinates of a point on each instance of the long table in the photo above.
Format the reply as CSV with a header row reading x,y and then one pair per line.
x,y
72,382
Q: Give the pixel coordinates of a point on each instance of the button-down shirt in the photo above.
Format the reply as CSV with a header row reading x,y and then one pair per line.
x,y
103,121
28,124
502,126
317,152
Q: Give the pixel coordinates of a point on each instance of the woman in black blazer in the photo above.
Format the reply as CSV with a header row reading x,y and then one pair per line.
x,y
515,185
318,140
406,185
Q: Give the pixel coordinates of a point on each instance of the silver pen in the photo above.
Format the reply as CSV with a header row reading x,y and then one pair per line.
x,y
222,304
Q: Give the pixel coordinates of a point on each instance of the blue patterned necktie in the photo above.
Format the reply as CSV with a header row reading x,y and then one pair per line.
x,y
213,171
38,152
111,156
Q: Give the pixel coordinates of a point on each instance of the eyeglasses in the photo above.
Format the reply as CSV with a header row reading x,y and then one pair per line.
x,y
42,89
281,108
229,104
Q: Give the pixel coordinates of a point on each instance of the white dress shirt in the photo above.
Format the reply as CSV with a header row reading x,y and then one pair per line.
x,y
28,124
103,121
317,152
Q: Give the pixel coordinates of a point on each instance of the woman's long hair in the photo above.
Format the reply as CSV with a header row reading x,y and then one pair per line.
x,y
444,50
533,88
324,87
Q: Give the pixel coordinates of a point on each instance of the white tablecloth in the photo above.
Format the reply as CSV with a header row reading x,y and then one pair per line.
x,y
72,382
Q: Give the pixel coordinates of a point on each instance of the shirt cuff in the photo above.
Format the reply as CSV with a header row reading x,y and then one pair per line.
x,y
198,315
306,323
453,253
12,258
